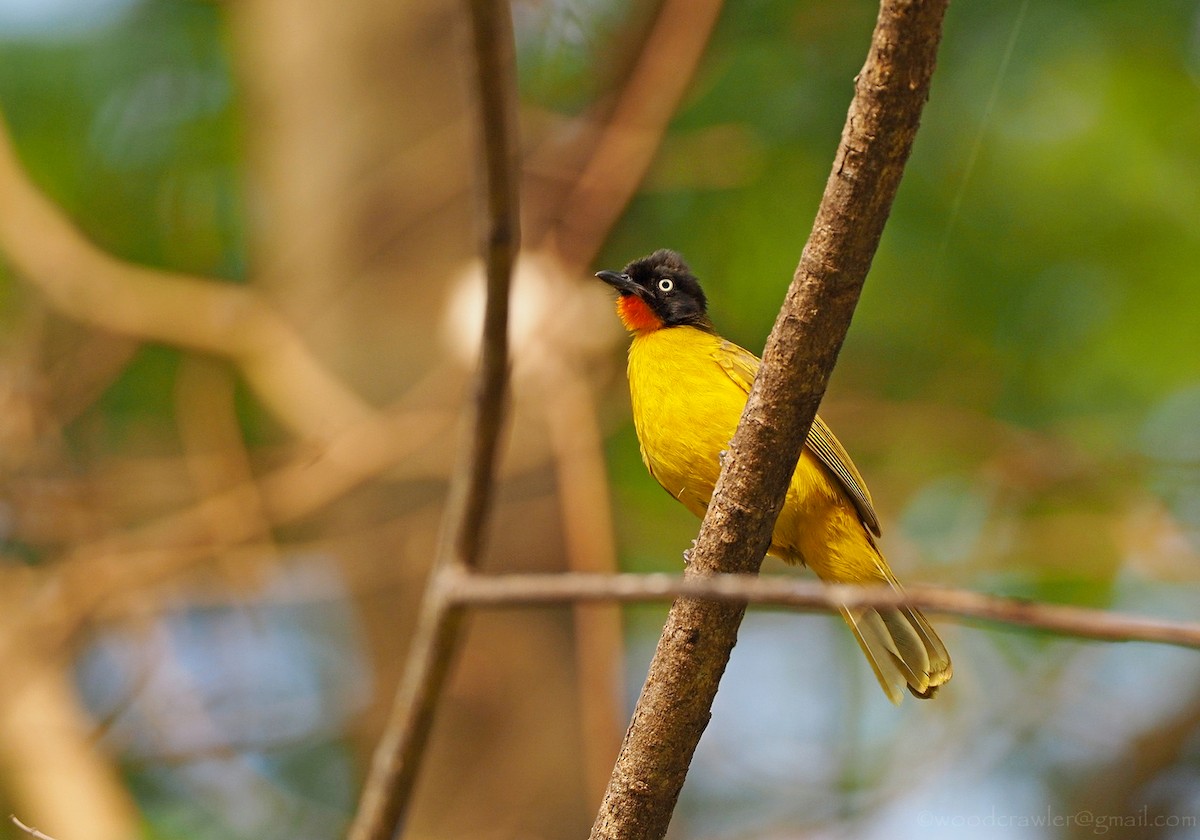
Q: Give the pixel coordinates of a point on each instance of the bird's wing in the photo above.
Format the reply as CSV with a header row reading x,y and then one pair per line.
x,y
741,365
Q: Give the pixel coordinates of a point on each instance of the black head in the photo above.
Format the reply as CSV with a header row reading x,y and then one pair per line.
x,y
667,287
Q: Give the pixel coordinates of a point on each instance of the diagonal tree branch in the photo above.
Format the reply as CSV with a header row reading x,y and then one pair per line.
x,y
397,758
675,703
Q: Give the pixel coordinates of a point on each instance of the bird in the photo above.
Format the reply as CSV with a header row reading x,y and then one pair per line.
x,y
688,386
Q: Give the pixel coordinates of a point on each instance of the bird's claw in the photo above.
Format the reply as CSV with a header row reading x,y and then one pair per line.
x,y
687,555
721,456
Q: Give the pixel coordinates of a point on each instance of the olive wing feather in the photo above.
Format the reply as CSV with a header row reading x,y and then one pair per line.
x,y
741,366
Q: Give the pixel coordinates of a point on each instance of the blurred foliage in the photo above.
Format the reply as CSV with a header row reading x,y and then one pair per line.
x,y
130,125
1021,384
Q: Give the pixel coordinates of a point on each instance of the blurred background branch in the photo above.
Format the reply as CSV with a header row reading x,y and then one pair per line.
x,y
665,66
397,759
86,284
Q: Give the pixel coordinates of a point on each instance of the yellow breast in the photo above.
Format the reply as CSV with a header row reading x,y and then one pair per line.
x,y
685,410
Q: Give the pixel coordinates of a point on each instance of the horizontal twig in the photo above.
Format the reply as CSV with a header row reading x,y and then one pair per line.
x,y
517,590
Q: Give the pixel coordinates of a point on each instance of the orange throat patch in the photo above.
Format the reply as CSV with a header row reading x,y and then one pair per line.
x,y
636,314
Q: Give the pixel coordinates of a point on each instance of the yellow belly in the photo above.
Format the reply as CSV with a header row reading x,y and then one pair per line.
x,y
685,410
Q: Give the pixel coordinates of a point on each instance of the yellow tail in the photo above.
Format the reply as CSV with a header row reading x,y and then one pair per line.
x,y
903,649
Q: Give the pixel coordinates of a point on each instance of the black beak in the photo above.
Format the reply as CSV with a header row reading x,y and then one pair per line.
x,y
621,282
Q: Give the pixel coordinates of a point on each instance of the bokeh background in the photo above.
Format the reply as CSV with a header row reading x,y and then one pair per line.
x,y
230,409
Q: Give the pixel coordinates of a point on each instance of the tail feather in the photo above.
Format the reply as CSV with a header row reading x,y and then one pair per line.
x,y
913,654
881,653
940,669
902,648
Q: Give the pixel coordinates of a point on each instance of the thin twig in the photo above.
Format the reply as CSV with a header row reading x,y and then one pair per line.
x,y
28,829
676,701
522,590
388,790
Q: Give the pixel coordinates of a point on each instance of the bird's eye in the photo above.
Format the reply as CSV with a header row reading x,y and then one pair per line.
x,y
666,284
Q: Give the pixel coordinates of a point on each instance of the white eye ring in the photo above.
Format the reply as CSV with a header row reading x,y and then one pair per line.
x,y
666,284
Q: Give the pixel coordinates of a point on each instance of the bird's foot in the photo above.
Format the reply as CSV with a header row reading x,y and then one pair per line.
x,y
721,456
687,555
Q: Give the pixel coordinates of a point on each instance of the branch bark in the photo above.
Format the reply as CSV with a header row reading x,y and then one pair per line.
x,y
388,790
675,703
